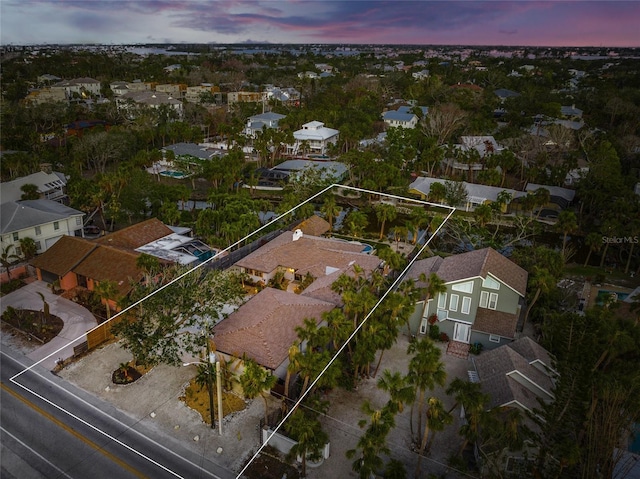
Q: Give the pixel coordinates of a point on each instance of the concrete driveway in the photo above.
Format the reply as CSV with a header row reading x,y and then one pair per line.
x,y
77,321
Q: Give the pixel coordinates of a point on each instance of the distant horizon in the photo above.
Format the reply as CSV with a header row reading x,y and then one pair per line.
x,y
418,45
508,23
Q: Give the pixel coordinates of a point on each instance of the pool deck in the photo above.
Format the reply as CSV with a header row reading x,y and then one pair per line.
x,y
593,289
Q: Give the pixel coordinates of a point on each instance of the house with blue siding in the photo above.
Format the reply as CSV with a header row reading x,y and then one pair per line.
x,y
483,301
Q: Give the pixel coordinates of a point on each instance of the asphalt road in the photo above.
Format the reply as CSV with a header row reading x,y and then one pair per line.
x,y
50,429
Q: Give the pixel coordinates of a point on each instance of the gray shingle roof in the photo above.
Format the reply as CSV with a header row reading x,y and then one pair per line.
x,y
496,373
19,215
472,264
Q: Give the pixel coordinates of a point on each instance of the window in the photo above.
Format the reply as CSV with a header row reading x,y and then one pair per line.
x,y
78,221
15,237
466,287
38,246
38,231
18,251
490,283
466,305
453,302
423,326
494,339
56,225
493,300
442,301
484,299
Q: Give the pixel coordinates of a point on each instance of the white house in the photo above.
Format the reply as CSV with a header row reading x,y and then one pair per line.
x,y
403,117
50,185
44,221
81,86
317,136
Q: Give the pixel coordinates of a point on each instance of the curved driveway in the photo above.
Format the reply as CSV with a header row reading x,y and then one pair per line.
x,y
77,321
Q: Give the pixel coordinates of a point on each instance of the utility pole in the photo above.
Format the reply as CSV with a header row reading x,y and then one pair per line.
x,y
210,382
219,391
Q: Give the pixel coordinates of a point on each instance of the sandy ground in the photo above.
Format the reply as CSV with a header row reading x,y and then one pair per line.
x,y
154,399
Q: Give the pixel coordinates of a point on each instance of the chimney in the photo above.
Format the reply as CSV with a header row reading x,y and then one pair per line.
x,y
46,168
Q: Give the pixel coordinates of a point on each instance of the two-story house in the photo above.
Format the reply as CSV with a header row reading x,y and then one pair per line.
x,y
49,185
483,299
317,136
403,117
82,87
44,221
256,123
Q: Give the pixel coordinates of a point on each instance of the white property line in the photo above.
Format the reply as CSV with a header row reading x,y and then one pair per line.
x,y
335,356
178,278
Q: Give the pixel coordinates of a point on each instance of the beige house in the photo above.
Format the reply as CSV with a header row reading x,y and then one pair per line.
x,y
84,87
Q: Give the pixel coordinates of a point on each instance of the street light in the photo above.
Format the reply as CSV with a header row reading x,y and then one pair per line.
x,y
211,359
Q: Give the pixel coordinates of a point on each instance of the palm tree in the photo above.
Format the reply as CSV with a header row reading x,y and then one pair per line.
x,y
292,367
7,258
254,381
435,286
356,222
150,265
425,371
401,392
567,223
437,193
28,248
340,328
483,214
305,428
45,310
373,442
542,281
107,290
474,402
330,209
437,418
29,192
384,213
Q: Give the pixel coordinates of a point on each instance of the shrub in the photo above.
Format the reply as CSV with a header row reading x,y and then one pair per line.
x,y
444,337
434,332
432,319
475,348
11,286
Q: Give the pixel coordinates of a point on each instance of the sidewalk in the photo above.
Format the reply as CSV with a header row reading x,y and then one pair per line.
x,y
77,321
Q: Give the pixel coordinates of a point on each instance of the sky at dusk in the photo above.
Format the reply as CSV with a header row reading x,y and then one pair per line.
x,y
521,22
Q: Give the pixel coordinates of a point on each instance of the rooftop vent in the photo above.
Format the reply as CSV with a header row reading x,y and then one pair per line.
x,y
297,234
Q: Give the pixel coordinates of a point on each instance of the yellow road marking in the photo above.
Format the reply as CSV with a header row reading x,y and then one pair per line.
x,y
76,434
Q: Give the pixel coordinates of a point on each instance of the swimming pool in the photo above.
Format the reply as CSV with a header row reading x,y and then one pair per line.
x,y
604,294
367,248
173,174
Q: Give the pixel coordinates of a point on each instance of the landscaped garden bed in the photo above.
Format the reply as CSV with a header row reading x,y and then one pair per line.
x,y
38,325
